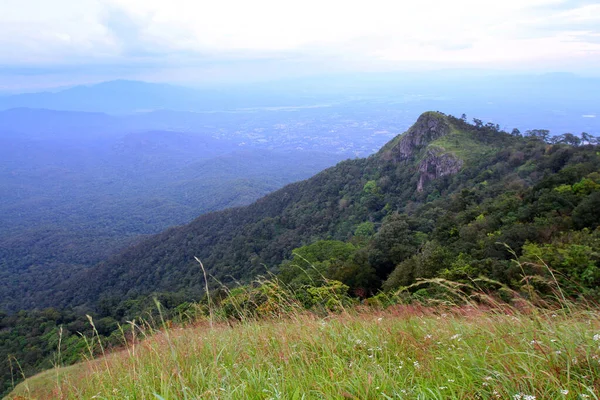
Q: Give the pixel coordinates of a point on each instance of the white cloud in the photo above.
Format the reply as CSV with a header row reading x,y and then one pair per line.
x,y
508,33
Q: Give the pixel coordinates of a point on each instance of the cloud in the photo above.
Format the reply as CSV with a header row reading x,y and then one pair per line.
x,y
316,34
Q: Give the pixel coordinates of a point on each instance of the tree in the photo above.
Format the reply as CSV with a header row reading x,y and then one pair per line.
x,y
587,138
571,139
542,134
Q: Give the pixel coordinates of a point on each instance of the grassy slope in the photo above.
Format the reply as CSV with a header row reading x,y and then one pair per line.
x,y
463,146
403,352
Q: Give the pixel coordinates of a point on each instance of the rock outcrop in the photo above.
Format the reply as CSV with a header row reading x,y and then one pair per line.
x,y
436,164
429,127
433,161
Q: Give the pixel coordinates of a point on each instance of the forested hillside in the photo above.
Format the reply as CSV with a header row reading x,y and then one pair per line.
x,y
71,197
446,196
448,199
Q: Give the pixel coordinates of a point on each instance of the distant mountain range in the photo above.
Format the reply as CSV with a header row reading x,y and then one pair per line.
x,y
123,96
558,102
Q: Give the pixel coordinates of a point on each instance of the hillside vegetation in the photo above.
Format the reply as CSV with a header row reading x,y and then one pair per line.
x,y
413,210
512,216
404,352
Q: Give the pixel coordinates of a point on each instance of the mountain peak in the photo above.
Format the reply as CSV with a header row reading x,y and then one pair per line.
x,y
430,125
434,161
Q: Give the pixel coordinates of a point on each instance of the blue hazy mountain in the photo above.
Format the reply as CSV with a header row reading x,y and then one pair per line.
x,y
123,96
559,102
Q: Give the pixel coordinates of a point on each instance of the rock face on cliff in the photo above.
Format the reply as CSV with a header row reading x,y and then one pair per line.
x,y
434,161
429,127
435,164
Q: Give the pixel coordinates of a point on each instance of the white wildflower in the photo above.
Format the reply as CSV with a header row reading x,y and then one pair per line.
x,y
596,337
564,392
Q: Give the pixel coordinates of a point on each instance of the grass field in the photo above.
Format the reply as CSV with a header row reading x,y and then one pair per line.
x,y
403,352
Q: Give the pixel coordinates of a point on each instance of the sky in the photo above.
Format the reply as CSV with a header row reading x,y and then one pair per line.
x,y
57,43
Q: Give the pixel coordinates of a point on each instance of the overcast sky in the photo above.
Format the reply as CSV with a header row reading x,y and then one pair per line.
x,y
61,42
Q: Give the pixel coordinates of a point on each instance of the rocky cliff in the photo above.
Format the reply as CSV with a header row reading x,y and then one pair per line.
x,y
433,161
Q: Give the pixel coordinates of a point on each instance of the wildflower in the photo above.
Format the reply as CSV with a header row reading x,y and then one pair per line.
x,y
521,396
428,336
564,392
596,337
443,387
585,396
416,364
450,380
379,319
455,337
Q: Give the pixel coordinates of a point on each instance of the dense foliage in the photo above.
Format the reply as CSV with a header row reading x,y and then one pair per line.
x,y
520,211
511,191
65,207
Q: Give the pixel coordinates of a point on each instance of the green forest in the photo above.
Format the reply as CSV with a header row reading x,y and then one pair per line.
x,y
448,199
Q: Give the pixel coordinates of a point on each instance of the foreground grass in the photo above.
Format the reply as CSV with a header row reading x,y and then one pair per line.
x,y
403,352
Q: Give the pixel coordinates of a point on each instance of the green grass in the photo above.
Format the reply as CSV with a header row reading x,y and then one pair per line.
x,y
463,146
405,351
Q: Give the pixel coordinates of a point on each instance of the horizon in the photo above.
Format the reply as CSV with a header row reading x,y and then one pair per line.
x,y
72,42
